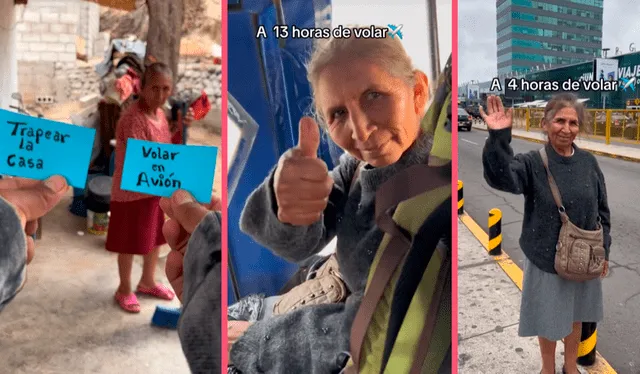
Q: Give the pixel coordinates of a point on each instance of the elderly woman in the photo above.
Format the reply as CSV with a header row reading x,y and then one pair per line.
x,y
370,100
552,308
136,218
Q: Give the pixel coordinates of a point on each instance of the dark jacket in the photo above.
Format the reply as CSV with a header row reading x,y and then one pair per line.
x,y
310,339
579,179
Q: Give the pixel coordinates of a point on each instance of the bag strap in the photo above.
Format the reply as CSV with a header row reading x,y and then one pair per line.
x,y
417,180
552,183
432,315
413,181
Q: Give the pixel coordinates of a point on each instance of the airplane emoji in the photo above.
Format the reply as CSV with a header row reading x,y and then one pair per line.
x,y
395,30
626,82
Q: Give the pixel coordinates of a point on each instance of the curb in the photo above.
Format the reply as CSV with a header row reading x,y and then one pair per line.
x,y
599,153
514,273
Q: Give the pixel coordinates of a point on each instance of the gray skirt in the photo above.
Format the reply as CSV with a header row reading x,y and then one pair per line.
x,y
551,304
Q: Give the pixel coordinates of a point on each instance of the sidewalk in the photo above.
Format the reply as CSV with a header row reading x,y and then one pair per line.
x,y
488,315
489,310
611,150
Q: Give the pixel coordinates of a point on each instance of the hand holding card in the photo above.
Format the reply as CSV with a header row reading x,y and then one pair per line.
x,y
37,148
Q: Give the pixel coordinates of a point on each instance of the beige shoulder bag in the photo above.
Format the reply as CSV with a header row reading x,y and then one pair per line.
x,y
580,254
324,287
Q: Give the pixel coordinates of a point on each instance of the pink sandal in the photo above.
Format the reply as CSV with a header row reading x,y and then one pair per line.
x,y
128,302
159,290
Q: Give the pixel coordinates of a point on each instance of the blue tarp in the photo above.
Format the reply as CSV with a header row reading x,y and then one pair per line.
x,y
267,77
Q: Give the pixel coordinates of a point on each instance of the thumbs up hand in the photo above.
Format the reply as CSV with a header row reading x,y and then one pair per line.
x,y
302,183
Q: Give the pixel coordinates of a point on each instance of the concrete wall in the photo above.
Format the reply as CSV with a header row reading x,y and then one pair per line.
x,y
46,36
8,64
89,26
101,43
47,31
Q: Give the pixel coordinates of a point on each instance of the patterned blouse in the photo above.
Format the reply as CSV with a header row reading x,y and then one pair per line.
x,y
134,123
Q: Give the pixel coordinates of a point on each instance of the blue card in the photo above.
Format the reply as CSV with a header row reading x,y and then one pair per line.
x,y
160,169
38,148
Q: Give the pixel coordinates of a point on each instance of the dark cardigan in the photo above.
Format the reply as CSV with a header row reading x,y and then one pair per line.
x,y
579,180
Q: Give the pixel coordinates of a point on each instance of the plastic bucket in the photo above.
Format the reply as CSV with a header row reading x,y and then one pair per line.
x,y
97,200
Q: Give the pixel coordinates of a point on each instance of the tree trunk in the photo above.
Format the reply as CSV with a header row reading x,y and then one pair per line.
x,y
165,32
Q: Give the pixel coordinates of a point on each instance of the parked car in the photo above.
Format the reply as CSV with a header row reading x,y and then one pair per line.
x,y
473,110
464,119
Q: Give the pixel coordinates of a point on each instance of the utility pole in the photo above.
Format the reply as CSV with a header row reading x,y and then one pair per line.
x,y
433,46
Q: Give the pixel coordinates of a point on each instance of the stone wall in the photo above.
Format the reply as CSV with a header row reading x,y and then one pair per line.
x,y
194,76
79,81
72,81
49,73
198,74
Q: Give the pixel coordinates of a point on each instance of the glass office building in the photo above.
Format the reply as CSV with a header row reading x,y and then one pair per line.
x,y
624,97
550,33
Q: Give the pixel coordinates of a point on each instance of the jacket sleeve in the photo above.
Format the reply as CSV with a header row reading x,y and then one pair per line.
x,y
199,325
13,254
603,210
503,170
308,340
259,218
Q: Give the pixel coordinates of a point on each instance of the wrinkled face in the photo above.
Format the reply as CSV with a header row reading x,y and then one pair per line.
x,y
369,113
157,90
564,128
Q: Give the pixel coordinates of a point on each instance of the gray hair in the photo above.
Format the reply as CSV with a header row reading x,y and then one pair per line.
x,y
156,68
387,53
566,100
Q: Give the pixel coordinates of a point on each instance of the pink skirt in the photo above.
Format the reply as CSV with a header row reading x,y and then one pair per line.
x,y
135,227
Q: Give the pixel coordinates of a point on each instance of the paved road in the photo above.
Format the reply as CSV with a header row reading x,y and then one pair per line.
x,y
619,333
614,140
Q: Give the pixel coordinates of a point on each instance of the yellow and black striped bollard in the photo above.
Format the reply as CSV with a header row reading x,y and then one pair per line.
x,y
587,347
460,199
495,232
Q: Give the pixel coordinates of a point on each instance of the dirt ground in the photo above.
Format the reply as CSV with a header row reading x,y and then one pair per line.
x,y
65,320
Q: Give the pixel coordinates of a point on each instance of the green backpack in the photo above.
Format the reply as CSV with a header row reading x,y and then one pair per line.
x,y
404,321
